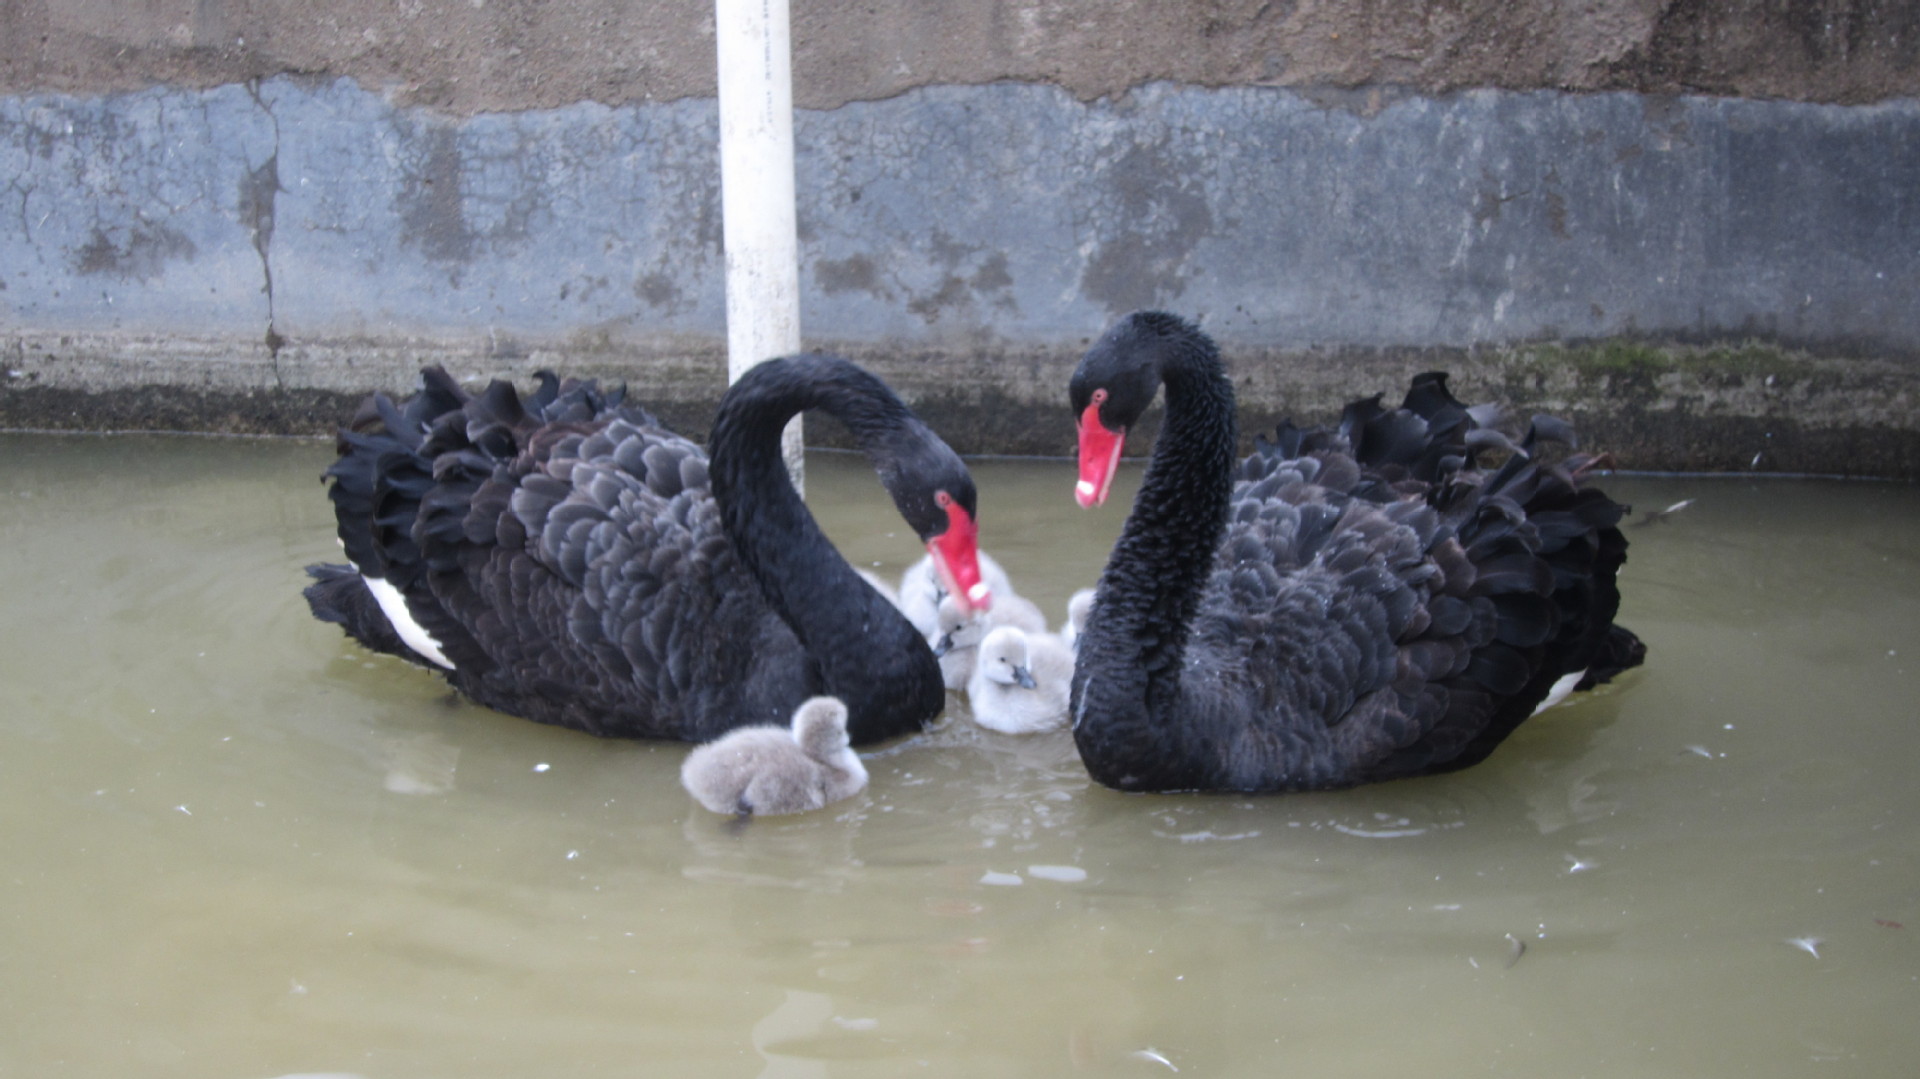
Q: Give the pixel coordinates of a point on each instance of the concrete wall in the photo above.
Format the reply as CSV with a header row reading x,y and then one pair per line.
x,y
1703,281
468,56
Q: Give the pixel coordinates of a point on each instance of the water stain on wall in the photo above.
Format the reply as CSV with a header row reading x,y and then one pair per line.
x,y
1151,216
855,273
138,252
429,201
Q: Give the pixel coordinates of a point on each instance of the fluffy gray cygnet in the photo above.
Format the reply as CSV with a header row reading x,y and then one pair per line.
x,y
1020,682
1078,606
957,638
769,770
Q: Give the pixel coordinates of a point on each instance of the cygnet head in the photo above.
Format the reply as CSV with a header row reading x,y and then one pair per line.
x,y
1004,658
955,629
820,726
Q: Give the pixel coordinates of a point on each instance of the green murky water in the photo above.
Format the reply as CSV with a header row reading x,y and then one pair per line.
x,y
238,847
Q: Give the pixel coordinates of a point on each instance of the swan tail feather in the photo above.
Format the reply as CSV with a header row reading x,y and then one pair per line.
x,y
339,595
1620,652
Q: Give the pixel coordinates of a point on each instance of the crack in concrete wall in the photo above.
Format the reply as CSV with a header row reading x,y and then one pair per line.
x,y
255,205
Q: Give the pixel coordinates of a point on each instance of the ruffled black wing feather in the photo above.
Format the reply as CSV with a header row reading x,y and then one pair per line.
x,y
1380,608
565,552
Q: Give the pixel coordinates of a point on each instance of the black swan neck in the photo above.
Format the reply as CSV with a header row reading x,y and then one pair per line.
x,y
863,650
1180,511
1134,650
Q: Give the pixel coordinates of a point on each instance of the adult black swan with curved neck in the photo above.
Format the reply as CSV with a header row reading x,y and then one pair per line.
x,y
1345,606
564,558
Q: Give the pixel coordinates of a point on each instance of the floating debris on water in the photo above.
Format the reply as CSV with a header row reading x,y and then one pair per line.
x,y
1003,880
1155,1056
1515,949
1066,874
1809,945
1378,833
1205,836
1656,516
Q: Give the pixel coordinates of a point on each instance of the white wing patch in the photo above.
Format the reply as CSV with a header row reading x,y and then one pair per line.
x,y
394,606
1561,690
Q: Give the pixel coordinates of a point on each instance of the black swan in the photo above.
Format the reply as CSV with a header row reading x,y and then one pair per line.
x,y
565,558
1344,606
763,771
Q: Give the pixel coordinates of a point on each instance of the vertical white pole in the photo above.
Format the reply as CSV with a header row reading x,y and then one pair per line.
x,y
756,190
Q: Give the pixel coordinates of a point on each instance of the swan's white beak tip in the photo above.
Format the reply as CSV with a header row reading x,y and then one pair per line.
x,y
1085,489
978,593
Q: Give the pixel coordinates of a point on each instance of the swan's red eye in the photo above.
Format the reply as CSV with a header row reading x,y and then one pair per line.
x,y
1093,406
942,499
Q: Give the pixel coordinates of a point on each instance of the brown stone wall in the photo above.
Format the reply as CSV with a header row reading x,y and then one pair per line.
x,y
497,55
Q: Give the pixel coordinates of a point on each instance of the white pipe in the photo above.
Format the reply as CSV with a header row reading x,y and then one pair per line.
x,y
756,190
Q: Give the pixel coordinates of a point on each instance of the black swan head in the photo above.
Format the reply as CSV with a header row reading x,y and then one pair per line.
x,y
934,493
929,485
1116,381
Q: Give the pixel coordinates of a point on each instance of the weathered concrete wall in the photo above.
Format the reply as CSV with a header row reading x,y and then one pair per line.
x,y
503,55
1706,282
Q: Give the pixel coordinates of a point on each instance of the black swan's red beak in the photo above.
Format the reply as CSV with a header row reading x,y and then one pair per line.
x,y
1099,457
956,557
